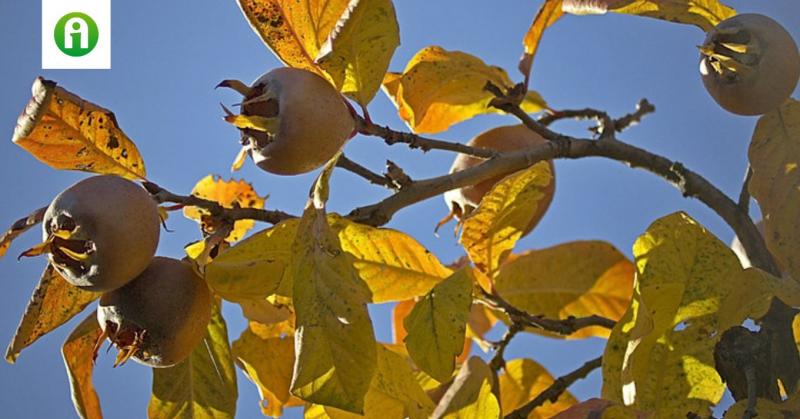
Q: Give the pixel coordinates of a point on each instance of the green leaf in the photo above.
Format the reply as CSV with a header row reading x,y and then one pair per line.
x,y
358,51
78,354
203,385
437,325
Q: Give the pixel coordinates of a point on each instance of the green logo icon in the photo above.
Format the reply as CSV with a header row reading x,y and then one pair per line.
x,y
76,34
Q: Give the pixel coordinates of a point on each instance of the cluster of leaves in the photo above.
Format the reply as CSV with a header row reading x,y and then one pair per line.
x,y
304,284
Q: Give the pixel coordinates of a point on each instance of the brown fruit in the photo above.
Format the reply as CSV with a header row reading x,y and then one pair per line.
x,y
508,138
749,64
158,318
101,232
312,121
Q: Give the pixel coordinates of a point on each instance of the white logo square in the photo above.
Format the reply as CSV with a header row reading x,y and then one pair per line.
x,y
76,34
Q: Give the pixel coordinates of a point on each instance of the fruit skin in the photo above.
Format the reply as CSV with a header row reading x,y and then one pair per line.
x,y
464,200
314,121
168,301
771,65
120,222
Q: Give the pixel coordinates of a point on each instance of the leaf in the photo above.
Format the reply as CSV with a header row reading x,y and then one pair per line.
x,y
523,380
437,325
440,88
20,226
265,312
399,313
775,184
294,31
548,14
53,303
335,343
254,267
767,409
268,363
66,132
229,194
491,231
358,51
470,395
704,14
78,354
394,266
688,290
573,279
203,385
599,408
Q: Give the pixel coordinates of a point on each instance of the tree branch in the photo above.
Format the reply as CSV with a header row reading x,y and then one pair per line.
x,y
373,178
162,195
556,389
498,361
744,194
392,137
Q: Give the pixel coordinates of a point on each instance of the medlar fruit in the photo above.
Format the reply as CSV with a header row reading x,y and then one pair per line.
x,y
101,232
310,121
464,200
158,318
749,64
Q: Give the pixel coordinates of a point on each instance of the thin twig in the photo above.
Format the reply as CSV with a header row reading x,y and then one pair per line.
x,y
556,389
372,177
744,194
162,195
498,360
392,137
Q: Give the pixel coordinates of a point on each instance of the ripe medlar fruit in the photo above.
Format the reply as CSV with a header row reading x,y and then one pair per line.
x,y
158,318
101,232
311,121
749,64
464,200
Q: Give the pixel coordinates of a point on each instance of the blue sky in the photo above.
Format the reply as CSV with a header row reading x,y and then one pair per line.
x,y
168,56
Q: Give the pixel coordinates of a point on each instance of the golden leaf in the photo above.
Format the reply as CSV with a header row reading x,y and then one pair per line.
x,y
440,88
704,14
203,385
400,311
470,395
659,357
775,147
335,342
600,408
573,279
294,31
20,226
78,354
548,14
66,132
229,194
358,51
268,363
437,325
491,231
522,381
53,303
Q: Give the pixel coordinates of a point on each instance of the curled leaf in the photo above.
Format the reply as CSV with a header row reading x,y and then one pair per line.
x,y
704,14
20,226
229,194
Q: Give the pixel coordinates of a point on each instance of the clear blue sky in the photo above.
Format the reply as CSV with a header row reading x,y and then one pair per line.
x,y
168,56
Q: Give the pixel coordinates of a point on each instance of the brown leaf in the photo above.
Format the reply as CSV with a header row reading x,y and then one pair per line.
x,y
66,132
20,226
78,354
53,303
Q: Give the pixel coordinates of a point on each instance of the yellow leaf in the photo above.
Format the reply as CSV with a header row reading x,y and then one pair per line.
x,y
335,343
253,122
399,313
229,194
66,132
491,231
268,363
20,226
601,409
294,30
704,14
203,385
776,146
255,267
357,53
440,88
522,381
766,409
265,312
78,354
572,279
470,396
53,303
548,14
394,265
659,357
437,325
